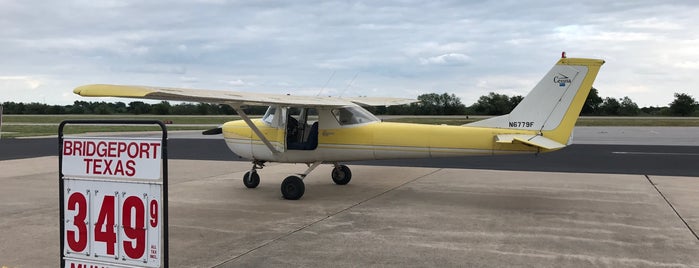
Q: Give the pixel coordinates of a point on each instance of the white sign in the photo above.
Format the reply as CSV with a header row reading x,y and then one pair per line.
x,y
112,222
112,158
112,203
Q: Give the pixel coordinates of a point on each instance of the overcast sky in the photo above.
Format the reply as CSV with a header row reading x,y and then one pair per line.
x,y
345,48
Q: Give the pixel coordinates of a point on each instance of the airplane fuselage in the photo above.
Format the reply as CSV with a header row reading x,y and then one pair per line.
x,y
374,140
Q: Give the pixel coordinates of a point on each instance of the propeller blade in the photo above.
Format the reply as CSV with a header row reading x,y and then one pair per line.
x,y
213,131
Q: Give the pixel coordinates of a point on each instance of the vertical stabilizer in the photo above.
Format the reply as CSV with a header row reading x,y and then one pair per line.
x,y
553,106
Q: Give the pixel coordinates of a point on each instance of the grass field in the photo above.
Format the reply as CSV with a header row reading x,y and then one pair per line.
x,y
13,131
45,125
176,119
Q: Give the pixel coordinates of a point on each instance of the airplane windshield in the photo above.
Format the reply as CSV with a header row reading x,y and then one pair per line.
x,y
269,115
353,115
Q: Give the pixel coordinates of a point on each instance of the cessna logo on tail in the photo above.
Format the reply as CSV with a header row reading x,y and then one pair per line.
x,y
562,79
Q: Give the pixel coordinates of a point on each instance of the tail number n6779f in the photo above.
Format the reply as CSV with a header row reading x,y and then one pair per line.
x,y
521,124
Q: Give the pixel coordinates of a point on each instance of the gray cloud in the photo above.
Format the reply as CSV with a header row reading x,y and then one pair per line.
x,y
394,47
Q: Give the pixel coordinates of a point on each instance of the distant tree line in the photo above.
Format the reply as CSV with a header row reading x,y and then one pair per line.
x,y
428,104
498,104
682,105
596,105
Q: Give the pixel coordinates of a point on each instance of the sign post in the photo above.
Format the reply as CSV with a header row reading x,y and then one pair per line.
x,y
0,120
113,198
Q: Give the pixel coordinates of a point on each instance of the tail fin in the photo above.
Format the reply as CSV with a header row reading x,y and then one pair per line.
x,y
553,106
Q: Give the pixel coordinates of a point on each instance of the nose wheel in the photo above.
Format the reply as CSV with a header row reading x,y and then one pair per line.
x,y
251,179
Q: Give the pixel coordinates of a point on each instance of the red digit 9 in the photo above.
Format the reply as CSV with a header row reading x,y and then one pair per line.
x,y
77,201
154,213
136,231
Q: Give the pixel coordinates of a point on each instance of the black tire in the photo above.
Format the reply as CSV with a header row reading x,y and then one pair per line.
x,y
251,179
341,175
293,188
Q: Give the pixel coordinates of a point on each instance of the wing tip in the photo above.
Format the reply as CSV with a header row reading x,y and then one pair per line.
x,y
104,90
79,90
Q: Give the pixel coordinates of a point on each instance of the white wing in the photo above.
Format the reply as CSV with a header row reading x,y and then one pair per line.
x,y
228,97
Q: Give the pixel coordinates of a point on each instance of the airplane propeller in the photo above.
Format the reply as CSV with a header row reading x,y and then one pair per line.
x,y
213,131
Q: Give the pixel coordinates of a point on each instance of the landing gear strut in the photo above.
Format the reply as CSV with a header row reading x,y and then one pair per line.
x,y
292,187
251,179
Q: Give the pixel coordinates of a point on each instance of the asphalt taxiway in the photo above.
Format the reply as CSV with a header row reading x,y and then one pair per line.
x,y
399,216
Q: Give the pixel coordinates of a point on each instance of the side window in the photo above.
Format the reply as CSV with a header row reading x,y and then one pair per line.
x,y
352,115
343,116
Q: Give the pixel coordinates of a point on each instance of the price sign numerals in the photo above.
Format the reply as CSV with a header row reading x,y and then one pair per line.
x,y
115,225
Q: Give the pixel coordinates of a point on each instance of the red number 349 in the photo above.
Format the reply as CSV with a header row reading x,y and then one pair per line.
x,y
133,215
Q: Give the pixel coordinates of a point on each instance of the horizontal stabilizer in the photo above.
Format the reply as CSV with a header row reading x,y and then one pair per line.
x,y
533,140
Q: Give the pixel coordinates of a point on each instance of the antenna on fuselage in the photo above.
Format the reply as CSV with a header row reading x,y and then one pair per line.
x,y
326,84
348,85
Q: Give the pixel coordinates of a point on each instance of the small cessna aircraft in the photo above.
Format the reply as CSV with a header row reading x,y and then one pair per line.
x,y
317,130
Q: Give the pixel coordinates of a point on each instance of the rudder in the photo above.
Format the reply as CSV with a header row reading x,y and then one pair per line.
x,y
553,106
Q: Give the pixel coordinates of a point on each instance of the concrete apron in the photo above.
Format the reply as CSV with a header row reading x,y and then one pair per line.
x,y
387,216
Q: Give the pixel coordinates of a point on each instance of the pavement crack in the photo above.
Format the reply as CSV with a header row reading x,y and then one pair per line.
x,y
673,207
324,218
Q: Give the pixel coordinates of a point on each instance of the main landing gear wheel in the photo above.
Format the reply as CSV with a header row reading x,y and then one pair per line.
x,y
293,188
341,175
251,179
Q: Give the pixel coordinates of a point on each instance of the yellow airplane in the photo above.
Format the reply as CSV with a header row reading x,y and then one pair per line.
x,y
316,130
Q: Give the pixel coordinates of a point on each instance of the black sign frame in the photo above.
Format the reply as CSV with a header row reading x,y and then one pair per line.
x,y
163,128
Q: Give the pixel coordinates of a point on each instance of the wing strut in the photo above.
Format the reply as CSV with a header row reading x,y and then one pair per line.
x,y
254,128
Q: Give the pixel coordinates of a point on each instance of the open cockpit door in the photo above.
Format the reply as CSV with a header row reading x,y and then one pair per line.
x,y
302,128
275,119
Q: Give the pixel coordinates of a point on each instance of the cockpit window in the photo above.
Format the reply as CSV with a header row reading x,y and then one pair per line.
x,y
353,115
269,115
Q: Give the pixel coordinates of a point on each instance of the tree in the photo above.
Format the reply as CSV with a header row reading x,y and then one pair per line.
x,y
683,105
592,103
610,106
161,108
623,106
655,111
184,108
227,109
80,107
104,108
514,101
138,107
436,104
493,104
628,107
120,107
